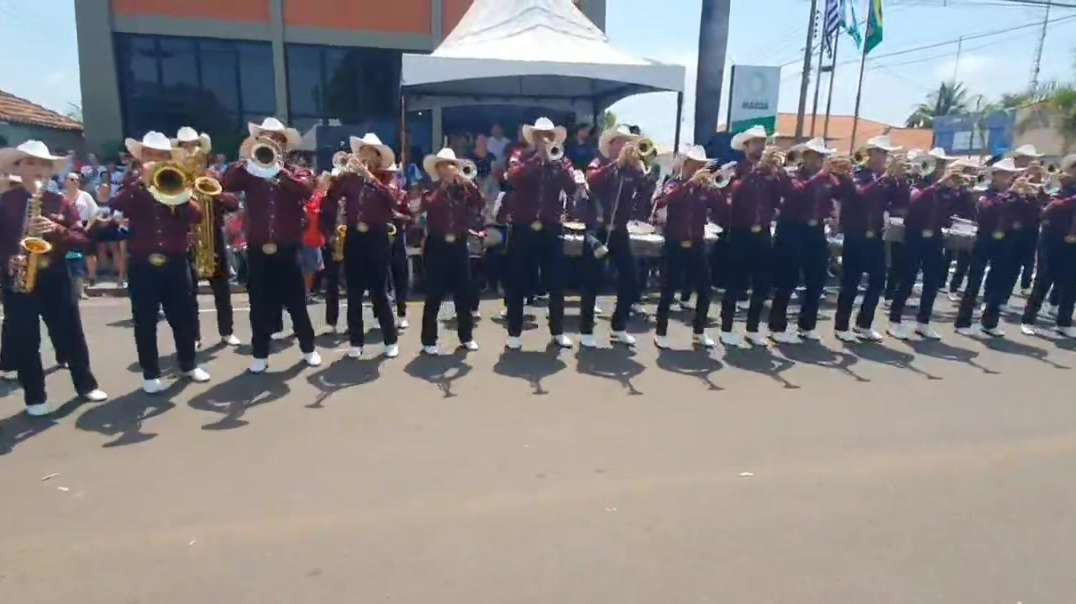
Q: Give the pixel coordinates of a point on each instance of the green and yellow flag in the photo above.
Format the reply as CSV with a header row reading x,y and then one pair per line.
x,y
874,26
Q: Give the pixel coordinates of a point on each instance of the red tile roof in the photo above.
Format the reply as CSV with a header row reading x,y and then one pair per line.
x,y
21,111
840,131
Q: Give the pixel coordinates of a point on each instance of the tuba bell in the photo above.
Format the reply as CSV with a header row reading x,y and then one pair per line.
x,y
265,158
169,183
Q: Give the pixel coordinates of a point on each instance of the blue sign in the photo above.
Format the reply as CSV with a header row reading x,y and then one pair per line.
x,y
975,135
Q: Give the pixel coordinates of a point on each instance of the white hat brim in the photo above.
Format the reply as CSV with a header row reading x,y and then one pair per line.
x,y
429,164
605,141
290,134
560,134
10,156
388,156
739,141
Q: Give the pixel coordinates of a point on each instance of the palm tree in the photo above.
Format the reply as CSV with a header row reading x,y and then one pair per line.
x,y
950,99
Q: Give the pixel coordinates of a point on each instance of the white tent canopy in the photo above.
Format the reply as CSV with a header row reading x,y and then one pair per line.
x,y
530,52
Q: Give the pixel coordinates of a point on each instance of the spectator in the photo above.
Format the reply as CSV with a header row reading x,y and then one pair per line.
x,y
582,149
484,161
310,259
220,165
86,208
110,238
498,143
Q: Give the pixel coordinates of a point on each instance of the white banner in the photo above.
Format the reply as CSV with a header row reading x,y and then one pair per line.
x,y
753,98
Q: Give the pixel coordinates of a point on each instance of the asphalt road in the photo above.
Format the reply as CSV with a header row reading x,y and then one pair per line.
x,y
892,473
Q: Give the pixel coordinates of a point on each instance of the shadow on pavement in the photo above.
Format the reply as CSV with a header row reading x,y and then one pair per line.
x,y
342,374
940,350
610,363
235,396
1009,346
122,417
875,352
815,353
761,360
692,363
21,427
441,370
532,366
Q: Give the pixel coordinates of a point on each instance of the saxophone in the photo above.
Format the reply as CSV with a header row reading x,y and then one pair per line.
x,y
24,265
205,191
341,231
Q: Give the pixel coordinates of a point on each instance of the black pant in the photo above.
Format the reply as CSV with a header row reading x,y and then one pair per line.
x,y
963,262
401,276
531,252
448,270
152,288
331,284
222,299
920,252
798,248
749,259
1027,243
999,255
51,302
682,266
861,256
276,283
627,279
366,261
1057,269
896,268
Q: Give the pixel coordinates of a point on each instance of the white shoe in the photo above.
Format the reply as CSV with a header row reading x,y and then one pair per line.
x,y
731,339
10,376
1028,330
563,341
197,375
588,341
638,309
476,314
513,343
675,307
755,338
152,386
96,395
313,359
197,344
402,323
431,350
38,410
785,337
258,366
886,304
354,352
624,337
1051,310
662,342
330,329
1068,332
925,330
867,334
1025,291
972,332
901,331
954,296
392,351
280,335
229,340
743,305
705,340
470,345
598,311
811,335
994,331
846,336
687,304
503,314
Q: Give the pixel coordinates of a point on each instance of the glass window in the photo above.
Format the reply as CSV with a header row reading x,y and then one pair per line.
x,y
220,76
304,80
357,86
256,76
179,63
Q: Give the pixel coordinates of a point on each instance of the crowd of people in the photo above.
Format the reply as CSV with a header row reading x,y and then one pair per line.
x,y
524,219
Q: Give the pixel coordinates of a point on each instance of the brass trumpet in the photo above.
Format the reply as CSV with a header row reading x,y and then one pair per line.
x,y
646,148
340,160
468,169
921,165
554,152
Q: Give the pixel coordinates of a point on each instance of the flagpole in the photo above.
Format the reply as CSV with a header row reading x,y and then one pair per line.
x,y
818,83
832,76
859,97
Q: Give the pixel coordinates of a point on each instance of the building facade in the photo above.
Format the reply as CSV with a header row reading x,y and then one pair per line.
x,y
218,64
21,120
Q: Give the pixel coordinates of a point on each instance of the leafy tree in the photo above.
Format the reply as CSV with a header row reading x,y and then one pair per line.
x,y
950,99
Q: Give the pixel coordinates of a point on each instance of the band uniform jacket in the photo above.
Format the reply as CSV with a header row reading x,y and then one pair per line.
x,y
689,207
539,188
68,235
276,207
452,209
606,180
154,227
365,200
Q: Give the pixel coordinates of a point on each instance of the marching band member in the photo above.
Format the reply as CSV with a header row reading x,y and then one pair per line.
x,y
399,268
1028,158
863,202
620,190
898,208
800,244
689,199
928,214
37,228
539,175
189,140
366,206
276,195
754,196
158,270
1057,260
994,248
965,209
450,209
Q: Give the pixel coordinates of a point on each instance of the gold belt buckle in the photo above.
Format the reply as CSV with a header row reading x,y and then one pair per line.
x,y
1070,238
928,233
870,233
158,260
812,223
450,238
756,228
536,226
362,227
269,248
999,235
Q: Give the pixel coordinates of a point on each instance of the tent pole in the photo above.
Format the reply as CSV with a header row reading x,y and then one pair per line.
x,y
679,115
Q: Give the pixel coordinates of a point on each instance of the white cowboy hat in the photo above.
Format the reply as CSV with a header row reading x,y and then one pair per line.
x,y
1006,165
939,154
1026,151
967,162
696,153
544,124
446,155
611,134
371,140
31,148
1068,161
186,134
817,145
152,140
739,140
275,126
882,143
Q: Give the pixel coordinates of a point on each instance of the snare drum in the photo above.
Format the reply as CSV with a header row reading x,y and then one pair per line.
x,y
638,227
574,227
646,245
894,229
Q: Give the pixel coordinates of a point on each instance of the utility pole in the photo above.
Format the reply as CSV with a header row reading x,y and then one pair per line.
x,y
713,42
1038,50
817,82
832,75
959,48
806,77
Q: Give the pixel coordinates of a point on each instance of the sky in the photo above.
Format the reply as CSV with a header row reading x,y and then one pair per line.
x,y
761,32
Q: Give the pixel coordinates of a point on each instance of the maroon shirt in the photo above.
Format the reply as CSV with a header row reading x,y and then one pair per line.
x,y
864,200
451,209
989,211
275,208
68,235
155,228
365,200
537,188
808,199
931,209
606,179
754,198
1059,220
689,207
1022,212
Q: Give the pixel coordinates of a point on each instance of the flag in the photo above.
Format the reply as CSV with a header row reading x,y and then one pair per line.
x,y
832,22
851,24
875,27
